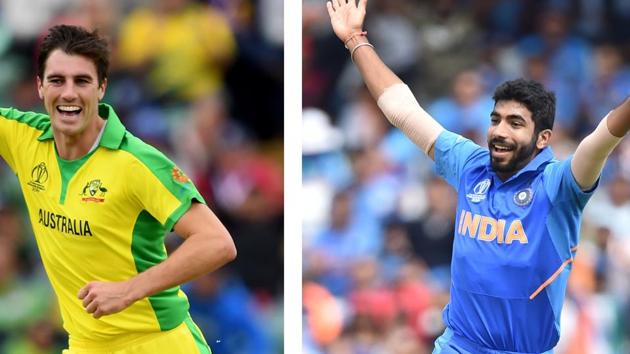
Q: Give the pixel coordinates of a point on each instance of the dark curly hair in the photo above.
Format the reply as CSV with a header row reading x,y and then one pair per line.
x,y
75,40
539,101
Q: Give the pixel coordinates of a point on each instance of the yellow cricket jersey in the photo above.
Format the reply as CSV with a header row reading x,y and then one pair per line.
x,y
102,217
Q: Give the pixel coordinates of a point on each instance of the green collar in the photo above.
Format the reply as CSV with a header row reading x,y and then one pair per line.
x,y
114,129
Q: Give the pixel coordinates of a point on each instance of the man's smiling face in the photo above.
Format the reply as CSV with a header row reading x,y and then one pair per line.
x,y
71,92
511,137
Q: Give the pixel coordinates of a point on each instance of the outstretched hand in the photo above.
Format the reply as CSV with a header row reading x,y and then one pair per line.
x,y
346,17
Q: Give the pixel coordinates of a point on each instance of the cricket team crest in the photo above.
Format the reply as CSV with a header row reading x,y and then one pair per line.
x,y
523,197
94,191
39,176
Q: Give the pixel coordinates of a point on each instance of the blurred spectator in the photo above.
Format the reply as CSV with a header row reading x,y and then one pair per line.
x,y
431,236
326,170
247,188
608,87
226,313
321,145
467,110
568,55
182,46
337,246
450,44
394,35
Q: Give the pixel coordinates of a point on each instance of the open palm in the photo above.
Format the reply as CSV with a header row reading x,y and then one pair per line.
x,y
346,17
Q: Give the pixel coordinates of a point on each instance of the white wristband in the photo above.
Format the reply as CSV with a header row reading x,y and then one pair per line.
x,y
401,108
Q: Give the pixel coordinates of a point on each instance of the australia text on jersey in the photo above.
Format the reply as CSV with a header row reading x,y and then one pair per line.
x,y
64,224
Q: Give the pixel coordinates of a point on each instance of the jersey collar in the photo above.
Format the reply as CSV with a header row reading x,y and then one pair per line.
x,y
543,157
114,129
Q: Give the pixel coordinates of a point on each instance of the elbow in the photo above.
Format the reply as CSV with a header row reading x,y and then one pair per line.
x,y
228,249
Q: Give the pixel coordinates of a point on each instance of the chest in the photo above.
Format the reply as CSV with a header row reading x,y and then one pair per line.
x,y
68,196
501,222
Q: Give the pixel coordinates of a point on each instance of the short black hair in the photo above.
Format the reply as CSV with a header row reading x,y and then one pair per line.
x,y
540,101
75,40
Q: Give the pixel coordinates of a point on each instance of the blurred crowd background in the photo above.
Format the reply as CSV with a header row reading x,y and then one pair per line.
x,y
378,223
203,82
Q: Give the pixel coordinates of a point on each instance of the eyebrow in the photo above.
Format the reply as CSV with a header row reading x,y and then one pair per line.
x,y
509,116
79,76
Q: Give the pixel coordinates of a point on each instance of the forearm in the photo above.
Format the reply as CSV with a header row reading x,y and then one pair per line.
x,y
197,255
593,151
376,75
207,246
591,154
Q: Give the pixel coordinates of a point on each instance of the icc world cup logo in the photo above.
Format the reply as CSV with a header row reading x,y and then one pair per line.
x,y
40,173
39,176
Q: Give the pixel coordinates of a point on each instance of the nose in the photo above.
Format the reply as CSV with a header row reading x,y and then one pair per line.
x,y
499,131
69,93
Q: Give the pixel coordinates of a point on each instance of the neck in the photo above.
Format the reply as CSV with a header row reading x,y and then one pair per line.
x,y
73,147
504,176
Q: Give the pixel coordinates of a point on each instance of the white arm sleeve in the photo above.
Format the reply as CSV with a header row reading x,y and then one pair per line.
x,y
403,111
592,153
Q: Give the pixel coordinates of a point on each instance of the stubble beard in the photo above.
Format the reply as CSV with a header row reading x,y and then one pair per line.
x,y
522,155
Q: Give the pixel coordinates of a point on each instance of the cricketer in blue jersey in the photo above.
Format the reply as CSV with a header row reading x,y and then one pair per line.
x,y
518,210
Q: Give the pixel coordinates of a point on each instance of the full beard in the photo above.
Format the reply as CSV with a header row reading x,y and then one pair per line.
x,y
522,155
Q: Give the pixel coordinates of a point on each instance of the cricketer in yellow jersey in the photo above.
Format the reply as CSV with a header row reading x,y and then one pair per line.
x,y
101,201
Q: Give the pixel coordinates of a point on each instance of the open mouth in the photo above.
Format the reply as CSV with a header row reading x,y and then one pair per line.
x,y
69,111
501,149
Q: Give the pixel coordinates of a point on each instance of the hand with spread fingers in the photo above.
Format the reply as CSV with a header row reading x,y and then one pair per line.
x,y
346,17
106,298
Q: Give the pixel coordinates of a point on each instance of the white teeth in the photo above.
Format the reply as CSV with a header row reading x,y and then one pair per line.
x,y
69,108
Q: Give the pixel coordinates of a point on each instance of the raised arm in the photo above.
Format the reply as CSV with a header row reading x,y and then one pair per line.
x,y
593,151
393,97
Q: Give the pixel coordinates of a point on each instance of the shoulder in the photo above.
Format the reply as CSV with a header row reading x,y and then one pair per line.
x,y
455,144
38,121
561,184
141,153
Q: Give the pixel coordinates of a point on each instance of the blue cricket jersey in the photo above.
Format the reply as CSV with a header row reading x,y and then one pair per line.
x,y
513,246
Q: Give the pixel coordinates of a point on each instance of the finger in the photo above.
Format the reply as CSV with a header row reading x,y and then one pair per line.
x,y
84,291
98,314
330,9
88,299
92,307
362,4
339,3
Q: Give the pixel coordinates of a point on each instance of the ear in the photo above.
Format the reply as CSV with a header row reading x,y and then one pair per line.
x,y
40,91
101,89
543,138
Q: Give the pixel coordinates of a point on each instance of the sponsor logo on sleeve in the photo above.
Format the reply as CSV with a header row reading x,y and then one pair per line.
x,y
179,175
